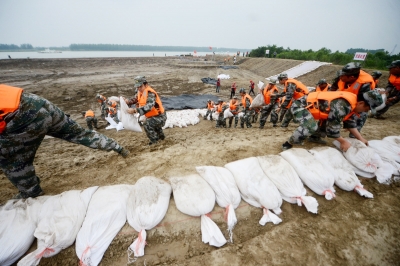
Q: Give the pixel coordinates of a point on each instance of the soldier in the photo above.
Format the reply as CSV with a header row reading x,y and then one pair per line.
x,y
271,99
293,90
234,108
25,119
91,120
255,114
113,113
220,108
357,81
376,75
335,108
246,102
322,85
392,89
103,105
150,105
210,109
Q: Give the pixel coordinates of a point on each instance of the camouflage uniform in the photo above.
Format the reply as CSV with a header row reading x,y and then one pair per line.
x,y
153,125
91,122
246,115
266,110
284,114
254,115
392,93
27,127
221,121
235,116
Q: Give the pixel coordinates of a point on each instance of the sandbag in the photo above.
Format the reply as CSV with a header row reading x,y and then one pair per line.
x,y
387,152
227,193
215,115
194,196
367,160
60,219
105,216
311,172
228,113
129,121
258,101
183,118
395,140
285,178
256,189
335,163
115,99
147,205
18,221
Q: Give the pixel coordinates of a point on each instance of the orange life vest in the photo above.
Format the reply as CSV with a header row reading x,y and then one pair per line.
x,y
111,111
363,78
10,98
157,108
267,92
89,113
319,89
300,91
102,99
233,106
113,104
219,107
246,96
210,105
395,81
314,97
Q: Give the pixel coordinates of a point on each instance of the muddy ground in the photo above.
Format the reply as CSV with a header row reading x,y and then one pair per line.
x,y
348,230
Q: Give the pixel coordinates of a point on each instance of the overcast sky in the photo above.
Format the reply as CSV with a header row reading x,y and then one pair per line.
x,y
298,24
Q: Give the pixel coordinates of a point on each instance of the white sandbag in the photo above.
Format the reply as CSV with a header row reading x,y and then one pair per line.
x,y
147,205
18,221
227,193
395,140
380,107
115,99
387,152
130,121
241,114
260,84
335,163
362,173
311,172
367,160
256,189
223,76
111,121
60,219
258,101
215,115
285,178
228,113
194,196
105,216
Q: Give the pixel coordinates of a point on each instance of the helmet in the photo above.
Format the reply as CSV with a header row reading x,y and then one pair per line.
x,y
220,100
376,74
322,81
208,100
98,96
395,63
282,76
272,81
139,81
242,90
350,69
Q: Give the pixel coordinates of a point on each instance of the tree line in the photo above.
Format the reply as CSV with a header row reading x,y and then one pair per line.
x,y
377,59
128,47
24,46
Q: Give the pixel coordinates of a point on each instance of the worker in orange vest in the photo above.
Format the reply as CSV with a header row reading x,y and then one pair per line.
x,y
210,109
322,85
335,108
247,112
25,119
392,88
91,120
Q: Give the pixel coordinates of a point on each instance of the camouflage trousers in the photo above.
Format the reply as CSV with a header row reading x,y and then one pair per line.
x,y
221,121
360,122
91,122
35,118
254,117
282,114
246,119
103,109
302,116
153,127
209,113
236,117
266,111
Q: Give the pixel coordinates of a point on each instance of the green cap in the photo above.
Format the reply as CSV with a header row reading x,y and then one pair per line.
x,y
373,98
395,63
350,69
322,81
376,74
282,76
139,81
272,81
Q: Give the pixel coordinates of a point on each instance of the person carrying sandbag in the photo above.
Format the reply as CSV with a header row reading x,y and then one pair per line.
x,y
234,108
91,120
220,108
25,119
271,99
246,102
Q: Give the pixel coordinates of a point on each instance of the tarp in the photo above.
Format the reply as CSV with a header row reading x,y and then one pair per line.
x,y
301,69
228,67
209,81
187,101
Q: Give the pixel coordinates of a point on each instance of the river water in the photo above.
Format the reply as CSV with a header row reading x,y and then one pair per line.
x,y
93,54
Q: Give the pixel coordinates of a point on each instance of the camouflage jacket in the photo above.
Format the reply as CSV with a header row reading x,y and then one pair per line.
x,y
151,101
290,89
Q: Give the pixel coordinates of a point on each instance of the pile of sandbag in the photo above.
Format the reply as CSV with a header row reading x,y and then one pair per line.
x,y
183,118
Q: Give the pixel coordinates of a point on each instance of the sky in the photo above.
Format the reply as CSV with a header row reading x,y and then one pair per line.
x,y
244,24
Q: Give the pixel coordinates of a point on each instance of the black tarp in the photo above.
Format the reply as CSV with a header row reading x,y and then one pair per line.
x,y
228,67
209,81
187,101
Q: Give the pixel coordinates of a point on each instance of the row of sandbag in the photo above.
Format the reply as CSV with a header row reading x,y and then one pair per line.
x,y
94,216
